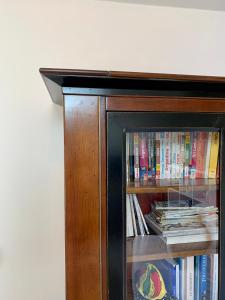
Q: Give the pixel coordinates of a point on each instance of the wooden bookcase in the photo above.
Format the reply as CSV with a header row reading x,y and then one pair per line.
x,y
87,97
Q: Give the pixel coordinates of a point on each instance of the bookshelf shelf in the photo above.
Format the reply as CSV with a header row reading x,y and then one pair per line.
x,y
152,248
181,185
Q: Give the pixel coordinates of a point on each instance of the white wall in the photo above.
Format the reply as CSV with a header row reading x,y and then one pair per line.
x,y
72,34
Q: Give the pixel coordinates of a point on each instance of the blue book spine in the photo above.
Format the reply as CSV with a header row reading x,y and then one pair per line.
x,y
180,278
169,275
203,277
197,277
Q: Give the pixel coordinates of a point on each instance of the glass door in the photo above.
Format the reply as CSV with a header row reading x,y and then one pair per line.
x,y
172,214
165,208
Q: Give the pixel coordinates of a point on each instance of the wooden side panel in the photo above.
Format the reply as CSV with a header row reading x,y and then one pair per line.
x,y
102,122
166,104
83,274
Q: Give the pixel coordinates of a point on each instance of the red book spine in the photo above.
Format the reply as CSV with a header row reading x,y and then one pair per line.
x,y
200,154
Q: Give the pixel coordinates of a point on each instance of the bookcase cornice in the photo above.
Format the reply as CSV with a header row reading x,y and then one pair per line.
x,y
61,82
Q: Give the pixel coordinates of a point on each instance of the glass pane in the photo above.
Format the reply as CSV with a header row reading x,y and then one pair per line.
x,y
172,203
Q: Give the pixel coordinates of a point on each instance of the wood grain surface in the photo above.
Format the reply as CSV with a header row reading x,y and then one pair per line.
x,y
166,104
82,207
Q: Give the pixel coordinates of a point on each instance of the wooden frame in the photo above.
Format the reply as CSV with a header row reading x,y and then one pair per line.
x,y
87,96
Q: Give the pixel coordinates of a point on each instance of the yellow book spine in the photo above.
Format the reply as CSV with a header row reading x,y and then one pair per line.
x,y
214,155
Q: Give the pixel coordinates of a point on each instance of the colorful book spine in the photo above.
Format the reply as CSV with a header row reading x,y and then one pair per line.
x,y
162,155
182,154
143,150
187,154
153,155
193,155
168,155
214,155
200,158
157,144
207,155
178,142
173,154
136,156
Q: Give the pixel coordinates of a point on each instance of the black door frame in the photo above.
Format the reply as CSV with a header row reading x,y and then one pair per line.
x,y
118,123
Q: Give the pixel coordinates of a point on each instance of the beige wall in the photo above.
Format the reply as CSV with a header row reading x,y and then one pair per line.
x,y
72,34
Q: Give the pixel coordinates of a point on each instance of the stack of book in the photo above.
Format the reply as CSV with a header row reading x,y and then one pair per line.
x,y
136,224
183,221
169,155
191,278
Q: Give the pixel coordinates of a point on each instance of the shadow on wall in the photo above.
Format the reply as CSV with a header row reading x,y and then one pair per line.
x,y
199,4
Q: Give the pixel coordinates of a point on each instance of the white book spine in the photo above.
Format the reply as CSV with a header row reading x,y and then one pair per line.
x,y
133,215
190,278
142,217
141,227
183,278
207,157
215,277
130,231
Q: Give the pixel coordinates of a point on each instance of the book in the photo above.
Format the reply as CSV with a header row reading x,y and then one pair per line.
x,y
139,219
168,155
194,155
141,214
187,154
129,226
172,155
214,155
197,277
131,157
200,157
190,278
136,157
207,155
157,145
133,215
214,283
203,277
178,142
162,155
144,160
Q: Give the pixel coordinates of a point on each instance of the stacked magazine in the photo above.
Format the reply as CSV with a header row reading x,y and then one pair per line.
x,y
183,221
136,224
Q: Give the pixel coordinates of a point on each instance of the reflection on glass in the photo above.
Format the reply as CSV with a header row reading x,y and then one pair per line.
x,y
172,205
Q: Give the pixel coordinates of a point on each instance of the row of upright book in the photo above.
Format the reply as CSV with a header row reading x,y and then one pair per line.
x,y
168,155
190,278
